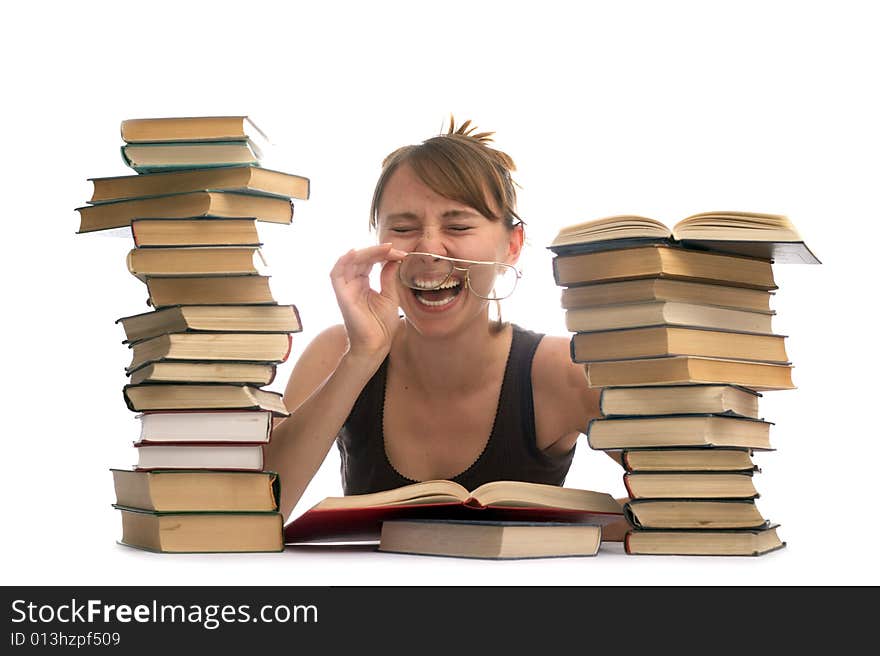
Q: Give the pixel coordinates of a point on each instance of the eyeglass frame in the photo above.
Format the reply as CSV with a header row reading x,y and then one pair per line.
x,y
467,277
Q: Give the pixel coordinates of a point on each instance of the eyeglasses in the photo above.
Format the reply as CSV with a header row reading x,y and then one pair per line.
x,y
492,281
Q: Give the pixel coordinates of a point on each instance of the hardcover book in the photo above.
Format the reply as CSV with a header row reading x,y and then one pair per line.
x,y
248,179
219,204
196,491
360,517
209,290
767,236
665,341
750,542
213,319
662,261
201,532
493,540
151,396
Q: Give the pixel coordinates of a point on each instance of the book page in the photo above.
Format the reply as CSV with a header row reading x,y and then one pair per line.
x,y
438,491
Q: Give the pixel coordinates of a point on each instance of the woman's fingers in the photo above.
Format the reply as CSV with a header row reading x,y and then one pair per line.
x,y
358,263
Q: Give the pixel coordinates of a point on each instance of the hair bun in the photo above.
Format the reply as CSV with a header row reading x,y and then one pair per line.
x,y
468,131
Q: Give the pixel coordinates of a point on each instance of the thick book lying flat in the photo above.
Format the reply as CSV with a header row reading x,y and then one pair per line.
x,y
768,236
646,290
690,485
750,542
660,261
636,315
220,204
201,532
190,128
235,347
209,290
697,459
237,373
238,456
693,513
160,157
181,233
494,540
151,396
679,399
681,369
212,318
678,431
213,426
360,517
249,179
196,261
196,491
665,341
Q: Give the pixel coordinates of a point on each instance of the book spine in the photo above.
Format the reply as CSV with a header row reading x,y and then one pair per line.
x,y
626,484
289,349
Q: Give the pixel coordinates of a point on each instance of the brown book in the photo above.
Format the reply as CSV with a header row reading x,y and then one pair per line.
x,y
197,532
689,459
662,341
209,290
637,315
245,373
755,234
150,396
690,485
147,233
679,399
645,290
486,539
678,431
212,318
219,261
192,491
220,204
190,128
744,542
211,347
689,369
249,179
694,513
664,262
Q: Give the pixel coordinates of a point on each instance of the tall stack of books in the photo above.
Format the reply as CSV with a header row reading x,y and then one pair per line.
x,y
675,327
199,360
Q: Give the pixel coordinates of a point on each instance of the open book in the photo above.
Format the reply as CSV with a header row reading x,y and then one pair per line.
x,y
360,516
766,236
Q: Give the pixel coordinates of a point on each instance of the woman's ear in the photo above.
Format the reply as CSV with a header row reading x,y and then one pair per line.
x,y
516,236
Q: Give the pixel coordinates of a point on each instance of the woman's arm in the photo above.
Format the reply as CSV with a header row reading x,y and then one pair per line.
x,y
322,389
334,368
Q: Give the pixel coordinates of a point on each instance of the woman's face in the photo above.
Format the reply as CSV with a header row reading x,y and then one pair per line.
x,y
414,218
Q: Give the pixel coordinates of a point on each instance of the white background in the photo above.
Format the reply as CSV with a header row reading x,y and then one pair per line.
x,y
661,109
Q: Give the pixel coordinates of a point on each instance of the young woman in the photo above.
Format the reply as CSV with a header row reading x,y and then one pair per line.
x,y
441,392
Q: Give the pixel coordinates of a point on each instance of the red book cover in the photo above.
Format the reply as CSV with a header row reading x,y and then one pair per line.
x,y
364,524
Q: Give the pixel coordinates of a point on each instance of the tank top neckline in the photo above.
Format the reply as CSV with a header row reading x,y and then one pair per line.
x,y
489,441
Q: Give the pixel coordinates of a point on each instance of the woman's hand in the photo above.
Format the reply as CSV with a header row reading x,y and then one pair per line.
x,y
370,317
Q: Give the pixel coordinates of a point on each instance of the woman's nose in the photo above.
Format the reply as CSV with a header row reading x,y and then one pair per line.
x,y
430,241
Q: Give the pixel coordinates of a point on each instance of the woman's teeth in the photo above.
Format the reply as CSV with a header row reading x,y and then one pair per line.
x,y
436,296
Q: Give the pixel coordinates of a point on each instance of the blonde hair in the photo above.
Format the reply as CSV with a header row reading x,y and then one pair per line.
x,y
458,165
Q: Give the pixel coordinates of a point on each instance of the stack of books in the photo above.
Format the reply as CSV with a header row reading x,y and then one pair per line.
x,y
199,360
675,327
